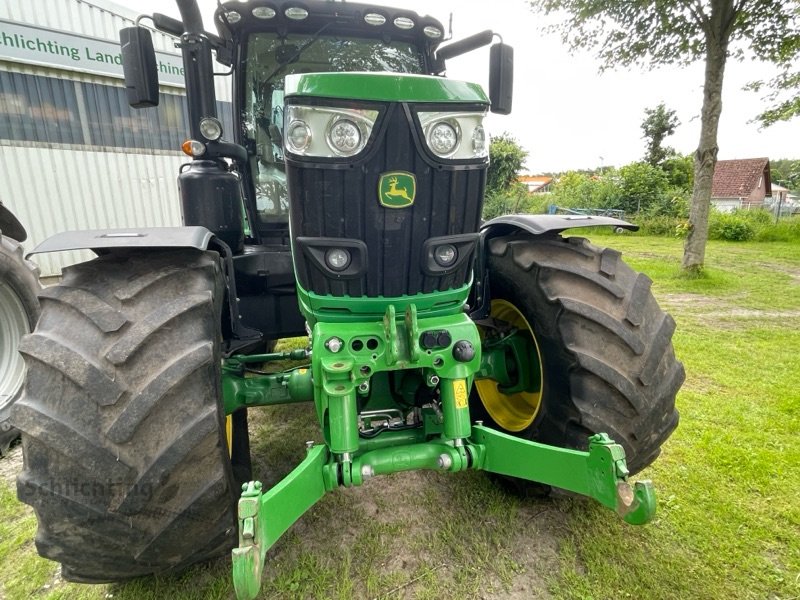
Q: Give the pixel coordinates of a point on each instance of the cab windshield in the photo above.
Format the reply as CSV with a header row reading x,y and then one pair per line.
x,y
269,59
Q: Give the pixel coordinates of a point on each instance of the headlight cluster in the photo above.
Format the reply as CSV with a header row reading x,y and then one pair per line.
x,y
455,136
327,132
330,132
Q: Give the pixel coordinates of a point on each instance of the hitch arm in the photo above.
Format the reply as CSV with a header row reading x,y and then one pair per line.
x,y
265,517
601,473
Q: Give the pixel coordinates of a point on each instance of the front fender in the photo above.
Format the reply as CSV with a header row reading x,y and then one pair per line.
x,y
480,295
540,224
100,240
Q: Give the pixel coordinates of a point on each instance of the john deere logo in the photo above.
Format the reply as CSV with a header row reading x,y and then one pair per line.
x,y
397,189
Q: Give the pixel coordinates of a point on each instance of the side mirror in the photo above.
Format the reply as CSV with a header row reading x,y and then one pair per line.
x,y
139,66
501,78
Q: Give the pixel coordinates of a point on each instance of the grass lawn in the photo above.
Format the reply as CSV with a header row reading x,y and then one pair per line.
x,y
728,482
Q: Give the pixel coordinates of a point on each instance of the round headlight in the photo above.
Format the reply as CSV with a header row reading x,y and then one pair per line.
x,y
479,141
210,128
443,138
263,12
298,136
296,13
344,137
374,19
337,259
233,17
445,255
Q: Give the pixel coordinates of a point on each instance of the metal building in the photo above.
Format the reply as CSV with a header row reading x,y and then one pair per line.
x,y
73,154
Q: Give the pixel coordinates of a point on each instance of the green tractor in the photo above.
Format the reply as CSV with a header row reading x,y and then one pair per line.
x,y
346,208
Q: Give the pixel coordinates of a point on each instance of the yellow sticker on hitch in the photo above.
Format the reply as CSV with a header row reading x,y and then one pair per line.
x,y
460,392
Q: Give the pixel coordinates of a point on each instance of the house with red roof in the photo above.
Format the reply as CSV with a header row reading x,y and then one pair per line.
x,y
741,183
536,184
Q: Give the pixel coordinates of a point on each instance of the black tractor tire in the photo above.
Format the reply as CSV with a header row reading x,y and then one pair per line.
x,y
19,310
123,433
605,345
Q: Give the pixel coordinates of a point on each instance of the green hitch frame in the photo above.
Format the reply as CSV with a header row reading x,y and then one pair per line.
x,y
349,382
599,473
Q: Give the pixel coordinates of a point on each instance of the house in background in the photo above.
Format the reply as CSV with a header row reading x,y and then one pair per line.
x,y
536,184
741,183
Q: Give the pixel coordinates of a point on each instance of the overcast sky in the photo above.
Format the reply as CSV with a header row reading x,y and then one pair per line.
x,y
567,115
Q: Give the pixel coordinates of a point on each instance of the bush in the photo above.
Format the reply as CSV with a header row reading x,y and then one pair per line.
x,y
513,200
730,227
786,230
662,225
641,185
757,217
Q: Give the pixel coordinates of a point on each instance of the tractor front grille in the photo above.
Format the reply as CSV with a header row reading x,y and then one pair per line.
x,y
339,200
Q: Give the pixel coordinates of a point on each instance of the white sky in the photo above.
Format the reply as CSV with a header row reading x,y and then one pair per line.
x,y
567,115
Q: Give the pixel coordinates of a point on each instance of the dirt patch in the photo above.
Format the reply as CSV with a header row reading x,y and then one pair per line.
x,y
723,313
792,272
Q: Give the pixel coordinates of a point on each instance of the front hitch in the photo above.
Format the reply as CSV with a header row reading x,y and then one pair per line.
x,y
601,473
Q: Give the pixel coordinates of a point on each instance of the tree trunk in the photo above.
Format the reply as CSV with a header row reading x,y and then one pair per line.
x,y
718,30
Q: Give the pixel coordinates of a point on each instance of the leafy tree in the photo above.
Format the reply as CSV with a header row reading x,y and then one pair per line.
x,y
641,185
680,172
506,158
627,32
784,89
576,189
659,123
786,173
503,192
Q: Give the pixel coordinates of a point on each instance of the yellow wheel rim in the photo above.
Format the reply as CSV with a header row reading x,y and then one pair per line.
x,y
512,412
229,434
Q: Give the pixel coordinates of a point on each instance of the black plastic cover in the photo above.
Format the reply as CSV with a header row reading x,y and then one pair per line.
x,y
139,66
501,78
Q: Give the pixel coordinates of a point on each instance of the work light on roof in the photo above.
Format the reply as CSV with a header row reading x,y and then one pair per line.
x,y
404,23
296,13
263,12
374,19
433,32
233,17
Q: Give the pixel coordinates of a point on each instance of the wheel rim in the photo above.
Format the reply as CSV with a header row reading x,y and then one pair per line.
x,y
229,434
512,412
13,325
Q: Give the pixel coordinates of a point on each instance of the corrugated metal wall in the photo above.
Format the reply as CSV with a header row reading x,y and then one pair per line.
x,y
73,155
53,190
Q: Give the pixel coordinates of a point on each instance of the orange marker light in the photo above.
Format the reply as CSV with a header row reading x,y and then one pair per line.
x,y
193,148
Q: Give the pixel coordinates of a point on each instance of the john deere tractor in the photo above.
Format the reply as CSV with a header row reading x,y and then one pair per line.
x,y
344,207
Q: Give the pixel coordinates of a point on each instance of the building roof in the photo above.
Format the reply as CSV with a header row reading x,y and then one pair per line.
x,y
540,179
738,178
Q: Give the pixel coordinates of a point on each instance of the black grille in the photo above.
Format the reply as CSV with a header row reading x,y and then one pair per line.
x,y
338,200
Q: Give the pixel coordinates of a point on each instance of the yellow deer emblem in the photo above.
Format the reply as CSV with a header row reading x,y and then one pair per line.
x,y
393,191
397,189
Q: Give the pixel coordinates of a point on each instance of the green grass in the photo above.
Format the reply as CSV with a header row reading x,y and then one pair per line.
x,y
728,482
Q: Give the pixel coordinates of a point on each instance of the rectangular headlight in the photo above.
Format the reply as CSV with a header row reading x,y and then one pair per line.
x,y
327,132
455,135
